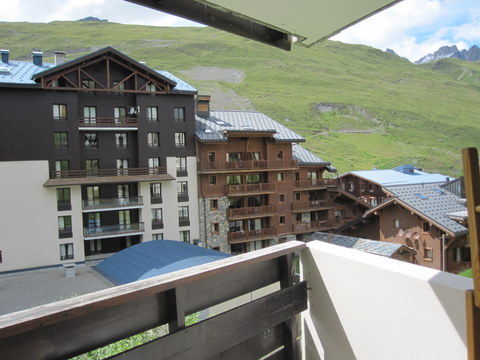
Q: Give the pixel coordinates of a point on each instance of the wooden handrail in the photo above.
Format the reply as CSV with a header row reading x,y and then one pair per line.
x,y
107,122
313,204
251,211
253,165
248,188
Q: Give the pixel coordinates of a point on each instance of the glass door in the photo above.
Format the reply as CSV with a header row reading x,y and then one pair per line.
x,y
94,221
93,195
124,219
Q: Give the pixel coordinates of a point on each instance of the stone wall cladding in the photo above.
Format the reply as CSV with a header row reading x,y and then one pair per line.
x,y
208,217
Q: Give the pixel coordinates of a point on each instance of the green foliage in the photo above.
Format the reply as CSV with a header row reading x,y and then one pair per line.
x,y
423,114
132,341
467,273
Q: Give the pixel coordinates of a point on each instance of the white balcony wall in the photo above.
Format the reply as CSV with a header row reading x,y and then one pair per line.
x,y
364,306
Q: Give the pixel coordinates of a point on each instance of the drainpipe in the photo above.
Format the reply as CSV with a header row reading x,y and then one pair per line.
x,y
205,220
443,252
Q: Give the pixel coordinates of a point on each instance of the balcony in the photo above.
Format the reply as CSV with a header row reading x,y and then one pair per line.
x,y
183,221
65,233
156,199
131,202
246,166
313,205
64,205
108,231
182,172
250,189
107,124
318,184
105,176
363,316
320,225
251,212
251,235
182,197
157,224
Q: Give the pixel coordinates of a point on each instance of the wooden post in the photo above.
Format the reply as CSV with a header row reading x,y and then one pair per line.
x,y
176,301
472,192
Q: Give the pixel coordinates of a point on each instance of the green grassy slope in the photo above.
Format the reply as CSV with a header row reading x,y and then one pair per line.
x,y
407,113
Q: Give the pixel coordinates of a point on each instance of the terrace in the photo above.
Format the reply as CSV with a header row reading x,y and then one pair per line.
x,y
268,311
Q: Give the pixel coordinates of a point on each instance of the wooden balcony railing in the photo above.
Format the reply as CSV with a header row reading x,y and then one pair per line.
x,y
103,122
315,184
309,205
258,188
262,328
250,165
254,211
70,174
314,226
251,235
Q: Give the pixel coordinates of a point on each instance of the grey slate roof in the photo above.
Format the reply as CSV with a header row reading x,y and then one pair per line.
x,y
365,245
22,73
305,157
244,121
433,202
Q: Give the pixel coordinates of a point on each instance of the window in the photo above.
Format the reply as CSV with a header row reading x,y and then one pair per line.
x,y
91,165
215,228
298,217
66,251
211,157
234,156
281,198
280,177
216,248
152,139
185,236
182,190
60,140
117,85
153,162
63,199
253,179
255,156
183,212
179,114
89,114
88,84
297,196
122,164
152,113
150,87
297,176
121,140
65,226
90,140
157,214
180,139
462,254
373,201
351,186
212,180
214,204
119,113
426,226
61,165
59,111
181,166
396,223
156,193
281,219
428,253
280,155
234,179
158,236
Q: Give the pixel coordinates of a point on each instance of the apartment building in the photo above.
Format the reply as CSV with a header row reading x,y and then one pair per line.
x,y
257,186
96,154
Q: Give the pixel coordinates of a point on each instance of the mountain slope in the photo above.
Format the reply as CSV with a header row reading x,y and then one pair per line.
x,y
356,105
472,54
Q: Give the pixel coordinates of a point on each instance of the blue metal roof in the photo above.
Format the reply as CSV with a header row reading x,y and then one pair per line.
x,y
402,175
153,258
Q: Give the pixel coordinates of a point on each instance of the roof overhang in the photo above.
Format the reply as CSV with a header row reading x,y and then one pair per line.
x,y
274,22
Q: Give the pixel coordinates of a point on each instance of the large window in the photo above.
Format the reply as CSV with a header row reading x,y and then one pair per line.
x,y
90,114
462,254
180,139
182,166
66,251
182,188
63,199
150,87
183,212
122,163
396,223
119,113
60,140
185,236
91,165
234,156
153,162
179,114
117,85
157,214
158,236
59,111
121,140
156,193
91,140
152,139
152,113
65,226
234,179
88,84
61,165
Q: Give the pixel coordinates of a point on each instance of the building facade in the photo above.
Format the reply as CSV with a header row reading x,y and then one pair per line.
x,y
96,154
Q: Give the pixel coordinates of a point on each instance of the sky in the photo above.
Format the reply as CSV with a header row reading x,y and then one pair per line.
x,y
412,28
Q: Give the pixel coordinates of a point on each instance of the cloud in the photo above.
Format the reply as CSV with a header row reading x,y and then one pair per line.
x,y
414,28
113,10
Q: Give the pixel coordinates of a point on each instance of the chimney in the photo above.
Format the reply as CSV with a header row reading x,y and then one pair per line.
x,y
60,56
37,58
5,54
203,105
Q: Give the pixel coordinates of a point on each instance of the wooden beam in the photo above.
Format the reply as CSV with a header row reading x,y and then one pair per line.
x,y
472,191
92,78
207,338
109,82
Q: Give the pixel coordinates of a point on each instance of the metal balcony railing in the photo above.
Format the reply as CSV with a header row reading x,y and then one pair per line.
x,y
118,229
90,204
102,122
71,174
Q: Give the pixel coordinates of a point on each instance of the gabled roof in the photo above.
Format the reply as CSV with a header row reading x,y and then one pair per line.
x,y
401,175
153,258
305,157
24,73
215,127
369,246
430,202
